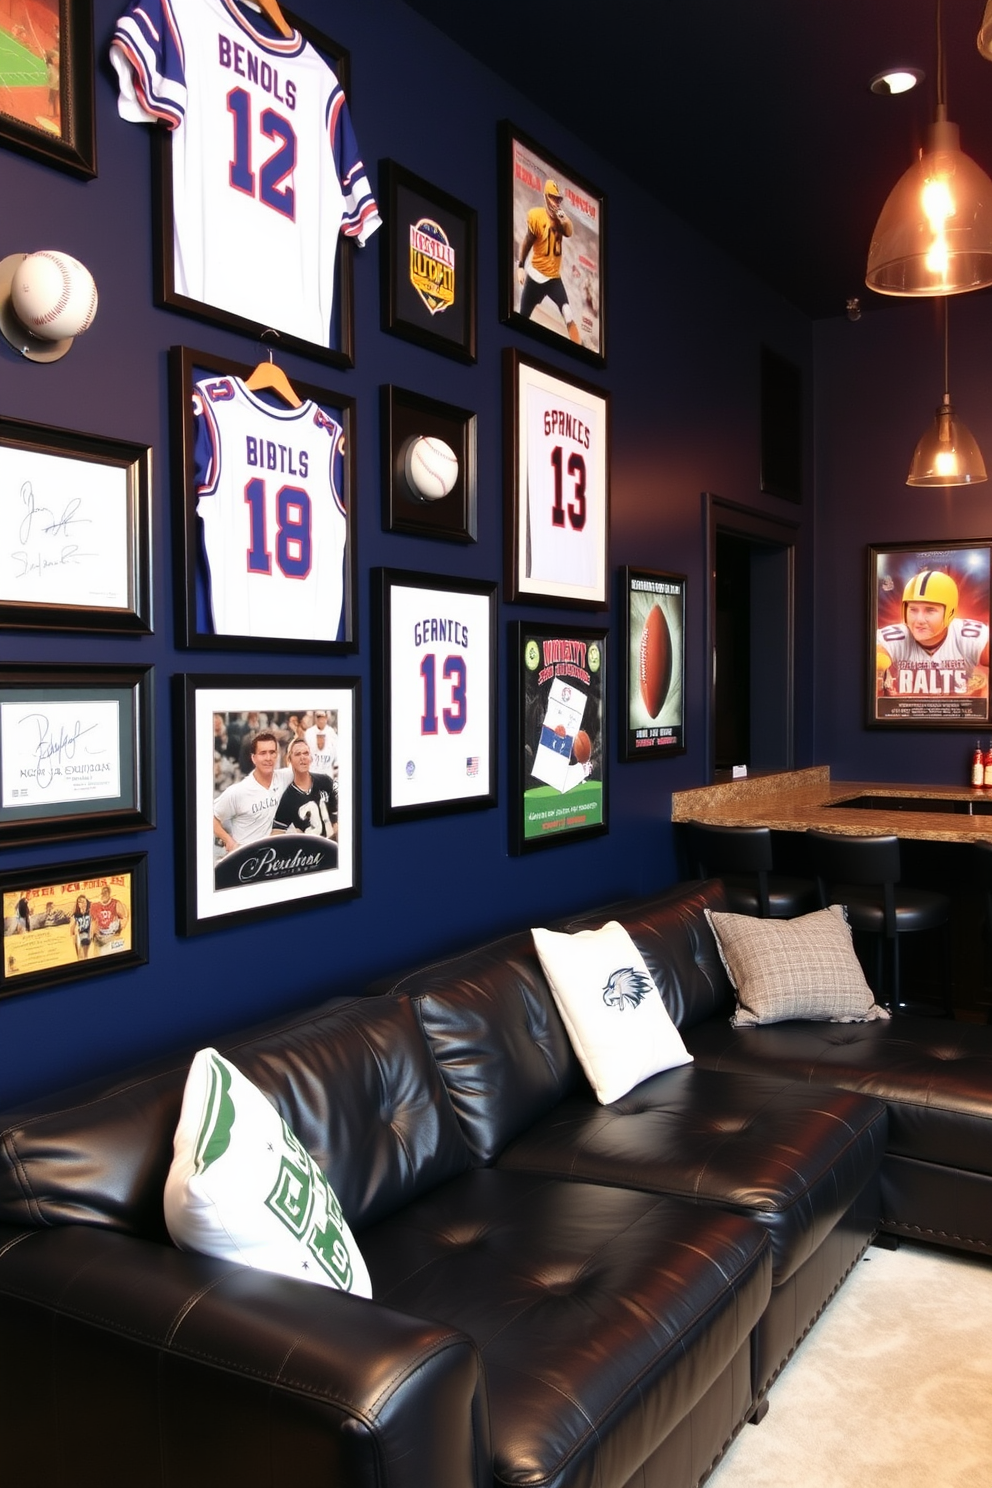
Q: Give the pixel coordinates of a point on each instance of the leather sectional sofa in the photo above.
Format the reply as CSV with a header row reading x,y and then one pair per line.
x,y
563,1293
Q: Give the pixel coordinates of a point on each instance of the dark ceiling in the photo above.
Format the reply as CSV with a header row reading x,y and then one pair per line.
x,y
751,119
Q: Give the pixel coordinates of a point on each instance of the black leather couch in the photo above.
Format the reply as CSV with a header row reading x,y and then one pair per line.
x,y
564,1293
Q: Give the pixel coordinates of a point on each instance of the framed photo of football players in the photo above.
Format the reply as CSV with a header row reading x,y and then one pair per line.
x,y
558,789
78,515
427,261
429,469
75,751
46,60
928,635
266,522
652,720
272,815
435,710
260,191
556,464
552,249
66,922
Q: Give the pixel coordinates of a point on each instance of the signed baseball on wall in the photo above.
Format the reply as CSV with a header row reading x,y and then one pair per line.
x,y
431,467
53,295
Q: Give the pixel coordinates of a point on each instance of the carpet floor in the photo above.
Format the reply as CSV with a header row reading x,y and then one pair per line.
x,y
892,1386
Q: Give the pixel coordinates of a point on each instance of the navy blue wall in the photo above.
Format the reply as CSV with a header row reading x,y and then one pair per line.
x,y
685,326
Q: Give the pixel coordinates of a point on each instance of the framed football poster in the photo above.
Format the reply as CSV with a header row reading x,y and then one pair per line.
x,y
559,789
265,525
435,720
427,263
46,62
556,464
653,715
928,635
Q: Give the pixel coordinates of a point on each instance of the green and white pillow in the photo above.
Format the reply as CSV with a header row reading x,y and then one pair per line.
x,y
241,1186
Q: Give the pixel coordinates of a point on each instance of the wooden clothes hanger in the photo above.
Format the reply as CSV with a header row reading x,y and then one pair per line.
x,y
271,11
269,377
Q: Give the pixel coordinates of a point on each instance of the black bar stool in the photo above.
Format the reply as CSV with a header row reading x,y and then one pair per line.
x,y
742,858
863,873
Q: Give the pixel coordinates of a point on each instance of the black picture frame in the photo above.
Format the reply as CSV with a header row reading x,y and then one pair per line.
x,y
405,417
194,611
946,685
559,734
54,512
652,716
62,946
76,752
437,681
68,140
524,168
556,464
275,874
341,351
428,259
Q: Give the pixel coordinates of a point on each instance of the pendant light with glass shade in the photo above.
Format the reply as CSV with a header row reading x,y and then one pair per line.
x,y
947,455
934,234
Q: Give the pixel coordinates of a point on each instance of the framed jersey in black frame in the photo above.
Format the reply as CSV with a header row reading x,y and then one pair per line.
x,y
427,258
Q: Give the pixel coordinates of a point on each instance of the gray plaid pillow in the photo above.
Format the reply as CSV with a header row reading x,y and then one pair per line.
x,y
801,968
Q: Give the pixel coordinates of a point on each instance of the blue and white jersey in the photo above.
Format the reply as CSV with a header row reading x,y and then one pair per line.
x,y
265,168
274,525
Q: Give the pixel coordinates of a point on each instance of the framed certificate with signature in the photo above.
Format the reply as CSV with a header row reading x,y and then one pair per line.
x,y
75,752
74,510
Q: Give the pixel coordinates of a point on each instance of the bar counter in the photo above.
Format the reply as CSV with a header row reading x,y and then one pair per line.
x,y
797,800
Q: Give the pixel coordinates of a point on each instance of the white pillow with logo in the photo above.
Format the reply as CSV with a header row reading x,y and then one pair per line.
x,y
241,1186
617,1023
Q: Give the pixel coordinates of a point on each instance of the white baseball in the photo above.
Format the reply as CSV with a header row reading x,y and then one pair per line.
x,y
53,295
431,467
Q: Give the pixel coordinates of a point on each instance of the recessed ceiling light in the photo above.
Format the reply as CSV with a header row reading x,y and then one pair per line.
x,y
896,80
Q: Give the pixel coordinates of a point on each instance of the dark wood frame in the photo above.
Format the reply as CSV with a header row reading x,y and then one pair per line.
x,y
70,875
384,581
136,461
529,660
196,696
509,242
191,603
641,736
74,149
518,588
404,311
135,809
404,416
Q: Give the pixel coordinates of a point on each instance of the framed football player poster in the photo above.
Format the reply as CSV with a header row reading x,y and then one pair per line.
x,y
427,261
928,635
559,786
652,719
70,921
556,464
429,467
269,771
260,189
46,103
552,249
265,524
78,509
435,718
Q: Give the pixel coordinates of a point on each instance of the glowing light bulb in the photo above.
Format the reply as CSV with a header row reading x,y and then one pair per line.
x,y
938,203
946,462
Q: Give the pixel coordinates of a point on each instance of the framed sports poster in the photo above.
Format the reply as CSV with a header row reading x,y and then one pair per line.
x,y
552,249
928,635
559,787
435,720
70,921
78,508
75,751
260,189
269,771
427,263
429,467
653,716
46,68
265,524
556,464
